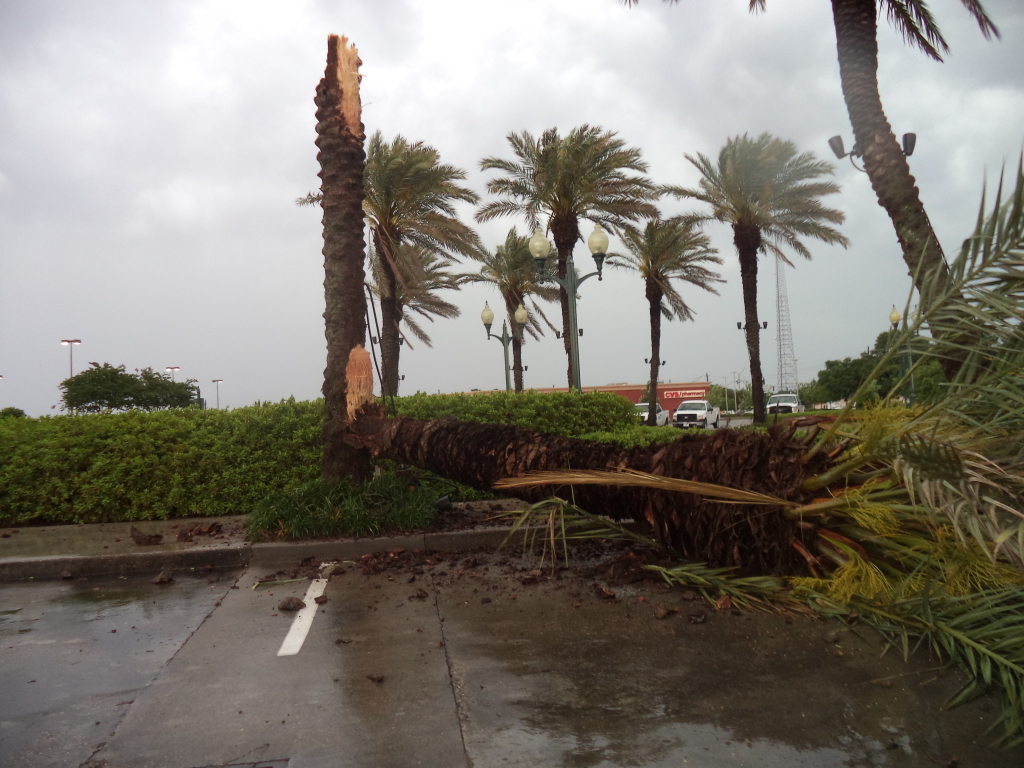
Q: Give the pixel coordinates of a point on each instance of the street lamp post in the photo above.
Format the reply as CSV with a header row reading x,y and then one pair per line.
x,y
539,248
905,362
70,344
173,369
217,382
488,319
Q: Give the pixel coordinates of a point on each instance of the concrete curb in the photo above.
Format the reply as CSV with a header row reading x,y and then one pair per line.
x,y
273,554
73,566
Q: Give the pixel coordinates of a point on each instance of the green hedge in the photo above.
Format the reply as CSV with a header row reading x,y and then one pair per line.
x,y
143,466
558,413
187,463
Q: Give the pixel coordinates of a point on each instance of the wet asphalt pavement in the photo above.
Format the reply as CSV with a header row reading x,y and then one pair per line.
x,y
467,661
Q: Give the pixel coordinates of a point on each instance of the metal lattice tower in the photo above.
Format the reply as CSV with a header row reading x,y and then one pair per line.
x,y
784,332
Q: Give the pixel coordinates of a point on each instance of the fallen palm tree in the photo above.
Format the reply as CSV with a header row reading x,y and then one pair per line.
x,y
909,519
732,511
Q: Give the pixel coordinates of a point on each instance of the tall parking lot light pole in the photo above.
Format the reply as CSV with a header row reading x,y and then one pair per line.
x,y
218,382
70,344
173,369
540,248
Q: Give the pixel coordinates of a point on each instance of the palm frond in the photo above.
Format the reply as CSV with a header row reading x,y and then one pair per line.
x,y
630,477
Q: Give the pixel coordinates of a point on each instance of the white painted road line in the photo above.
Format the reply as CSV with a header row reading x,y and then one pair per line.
x,y
303,620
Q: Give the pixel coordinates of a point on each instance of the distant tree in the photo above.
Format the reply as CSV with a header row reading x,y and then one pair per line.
x,y
840,379
12,413
109,388
582,175
769,195
663,253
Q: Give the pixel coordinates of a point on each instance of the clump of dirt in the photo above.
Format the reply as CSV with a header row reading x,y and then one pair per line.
x,y
628,567
203,529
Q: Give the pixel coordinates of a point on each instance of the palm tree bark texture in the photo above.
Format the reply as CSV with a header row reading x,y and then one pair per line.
x,y
565,231
390,316
654,295
887,168
753,539
747,239
339,139
512,302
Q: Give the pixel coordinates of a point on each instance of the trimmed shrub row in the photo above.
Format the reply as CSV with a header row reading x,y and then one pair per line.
x,y
185,462
146,466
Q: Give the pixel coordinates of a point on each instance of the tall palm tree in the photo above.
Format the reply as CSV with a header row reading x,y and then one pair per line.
x,y
410,197
583,175
667,250
510,270
856,24
421,275
769,195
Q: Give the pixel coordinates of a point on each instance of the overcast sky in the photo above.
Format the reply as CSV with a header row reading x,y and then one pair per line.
x,y
150,154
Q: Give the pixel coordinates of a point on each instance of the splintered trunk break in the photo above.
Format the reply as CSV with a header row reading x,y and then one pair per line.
x,y
755,539
340,138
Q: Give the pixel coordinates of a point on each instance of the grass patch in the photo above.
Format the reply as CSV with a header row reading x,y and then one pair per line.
x,y
385,504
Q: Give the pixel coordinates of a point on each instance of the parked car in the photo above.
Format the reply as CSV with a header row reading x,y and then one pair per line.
x,y
660,415
785,403
696,413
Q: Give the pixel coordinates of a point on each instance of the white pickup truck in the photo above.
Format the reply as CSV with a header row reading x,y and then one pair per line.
x,y
696,413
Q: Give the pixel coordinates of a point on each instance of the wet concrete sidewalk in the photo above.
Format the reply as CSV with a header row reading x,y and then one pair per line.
x,y
472,659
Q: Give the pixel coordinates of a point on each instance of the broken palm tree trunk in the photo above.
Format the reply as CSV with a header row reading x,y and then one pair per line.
x,y
755,538
340,137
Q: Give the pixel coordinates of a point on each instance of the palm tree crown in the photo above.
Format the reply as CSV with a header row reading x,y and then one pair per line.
x,y
914,21
667,250
763,183
769,194
583,175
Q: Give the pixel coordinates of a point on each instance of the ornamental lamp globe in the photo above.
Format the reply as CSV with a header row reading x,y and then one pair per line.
x,y
487,315
539,249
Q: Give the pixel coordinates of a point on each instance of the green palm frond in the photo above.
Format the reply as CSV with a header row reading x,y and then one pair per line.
x,y
669,250
712,583
556,522
510,269
421,275
411,196
982,633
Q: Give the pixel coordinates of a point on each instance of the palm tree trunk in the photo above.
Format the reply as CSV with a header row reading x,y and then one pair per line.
x,y
856,26
517,364
512,302
747,239
389,335
340,138
566,232
754,539
654,292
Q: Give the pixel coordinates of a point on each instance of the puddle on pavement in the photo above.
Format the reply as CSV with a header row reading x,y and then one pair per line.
x,y
543,683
